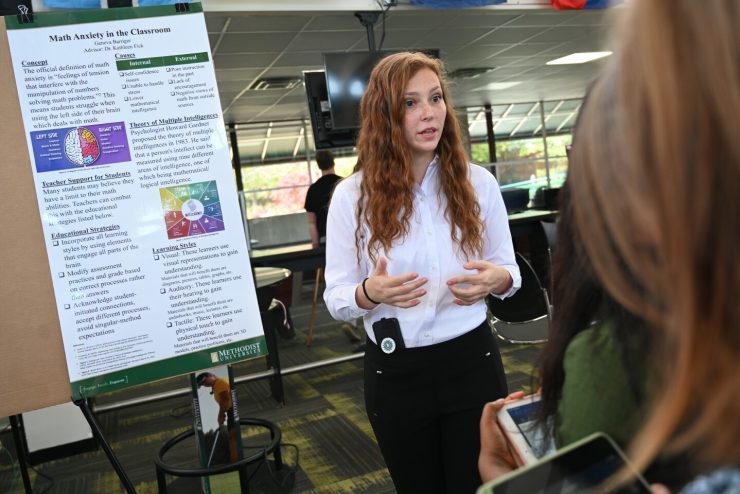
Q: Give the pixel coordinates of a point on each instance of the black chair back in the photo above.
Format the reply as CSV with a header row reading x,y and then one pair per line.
x,y
527,304
515,200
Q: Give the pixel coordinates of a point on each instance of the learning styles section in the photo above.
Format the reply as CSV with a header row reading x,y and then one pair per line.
x,y
137,199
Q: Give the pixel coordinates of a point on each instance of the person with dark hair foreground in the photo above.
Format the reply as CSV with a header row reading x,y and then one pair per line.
x,y
654,178
416,239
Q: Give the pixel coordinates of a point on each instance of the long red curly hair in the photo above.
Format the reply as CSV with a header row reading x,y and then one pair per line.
x,y
386,191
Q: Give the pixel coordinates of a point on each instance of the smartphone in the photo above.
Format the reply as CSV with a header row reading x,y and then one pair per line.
x,y
388,335
527,437
582,467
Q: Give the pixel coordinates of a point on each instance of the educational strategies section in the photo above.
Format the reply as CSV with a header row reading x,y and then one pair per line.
x,y
138,205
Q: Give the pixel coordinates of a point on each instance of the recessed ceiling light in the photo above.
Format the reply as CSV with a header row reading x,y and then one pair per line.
x,y
579,57
498,86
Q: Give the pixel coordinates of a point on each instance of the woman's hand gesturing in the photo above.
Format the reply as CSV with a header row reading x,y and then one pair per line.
x,y
490,278
400,291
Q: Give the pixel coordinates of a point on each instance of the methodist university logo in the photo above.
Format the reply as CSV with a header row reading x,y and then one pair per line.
x,y
237,353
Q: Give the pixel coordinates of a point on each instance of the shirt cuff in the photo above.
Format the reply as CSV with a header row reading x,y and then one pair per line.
x,y
516,283
349,310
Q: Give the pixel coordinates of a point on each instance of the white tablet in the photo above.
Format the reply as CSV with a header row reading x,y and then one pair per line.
x,y
526,436
584,467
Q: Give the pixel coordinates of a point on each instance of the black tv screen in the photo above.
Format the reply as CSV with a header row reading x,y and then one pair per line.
x,y
347,74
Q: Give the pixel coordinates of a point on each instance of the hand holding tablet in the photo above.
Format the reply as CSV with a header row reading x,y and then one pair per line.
x,y
527,438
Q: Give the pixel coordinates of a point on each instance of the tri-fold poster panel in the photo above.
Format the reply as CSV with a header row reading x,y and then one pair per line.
x,y
136,193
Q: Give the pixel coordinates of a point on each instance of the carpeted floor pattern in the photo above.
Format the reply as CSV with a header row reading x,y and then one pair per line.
x,y
323,417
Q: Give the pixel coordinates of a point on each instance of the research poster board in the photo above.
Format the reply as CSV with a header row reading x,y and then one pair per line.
x,y
136,195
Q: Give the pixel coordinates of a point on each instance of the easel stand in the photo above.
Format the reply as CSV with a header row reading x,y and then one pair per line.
x,y
241,466
98,434
16,424
20,451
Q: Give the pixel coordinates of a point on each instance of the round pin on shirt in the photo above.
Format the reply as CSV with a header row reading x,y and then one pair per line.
x,y
388,345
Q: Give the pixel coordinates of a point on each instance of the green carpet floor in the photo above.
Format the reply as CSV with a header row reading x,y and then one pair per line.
x,y
323,417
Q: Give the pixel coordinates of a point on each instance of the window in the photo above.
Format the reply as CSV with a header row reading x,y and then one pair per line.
x,y
271,190
276,172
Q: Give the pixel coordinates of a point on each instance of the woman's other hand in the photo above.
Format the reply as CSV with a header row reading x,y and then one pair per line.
x,y
490,278
495,458
401,291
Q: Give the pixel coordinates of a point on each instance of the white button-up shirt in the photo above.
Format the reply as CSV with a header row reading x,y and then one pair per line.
x,y
427,249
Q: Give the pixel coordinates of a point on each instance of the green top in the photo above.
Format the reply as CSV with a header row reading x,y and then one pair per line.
x,y
596,396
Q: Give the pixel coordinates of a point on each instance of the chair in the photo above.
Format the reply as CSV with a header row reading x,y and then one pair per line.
x,y
546,198
314,301
551,234
525,316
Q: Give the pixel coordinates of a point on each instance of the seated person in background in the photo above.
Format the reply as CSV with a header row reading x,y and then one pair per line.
x,y
655,209
318,197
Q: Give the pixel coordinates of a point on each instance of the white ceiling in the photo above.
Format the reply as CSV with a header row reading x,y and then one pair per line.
x,y
254,40
249,46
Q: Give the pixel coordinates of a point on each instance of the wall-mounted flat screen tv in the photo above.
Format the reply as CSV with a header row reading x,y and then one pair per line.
x,y
325,136
347,74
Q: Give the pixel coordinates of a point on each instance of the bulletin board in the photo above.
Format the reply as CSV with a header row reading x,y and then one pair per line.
x,y
32,360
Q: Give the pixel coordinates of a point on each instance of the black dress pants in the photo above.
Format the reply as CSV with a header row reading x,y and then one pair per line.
x,y
424,405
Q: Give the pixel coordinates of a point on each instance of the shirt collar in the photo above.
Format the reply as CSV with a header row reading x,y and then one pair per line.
x,y
429,177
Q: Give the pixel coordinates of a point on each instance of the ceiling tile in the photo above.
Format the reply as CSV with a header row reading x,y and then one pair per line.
x,y
412,20
591,17
254,42
451,38
229,75
510,35
479,19
252,60
325,41
325,21
402,39
526,49
215,22
543,18
474,53
296,72
258,22
560,34
305,60
231,86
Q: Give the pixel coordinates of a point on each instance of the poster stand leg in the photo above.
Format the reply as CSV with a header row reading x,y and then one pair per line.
x,y
20,452
98,433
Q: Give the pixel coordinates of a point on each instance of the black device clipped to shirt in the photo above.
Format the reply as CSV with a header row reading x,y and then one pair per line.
x,y
388,335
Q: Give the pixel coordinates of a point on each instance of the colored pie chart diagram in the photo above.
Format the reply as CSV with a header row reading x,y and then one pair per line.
x,y
192,209
81,147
